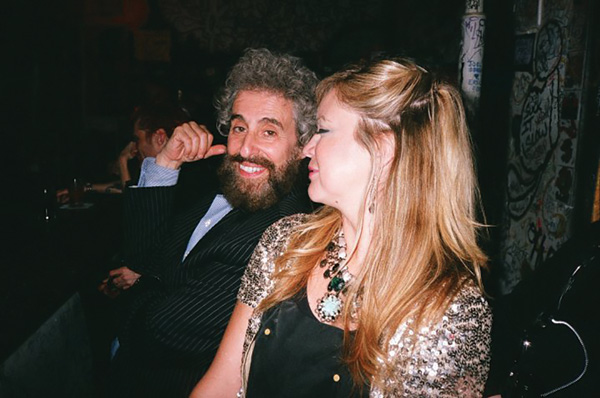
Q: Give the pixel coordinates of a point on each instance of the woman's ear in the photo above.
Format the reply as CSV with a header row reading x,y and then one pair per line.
x,y
386,143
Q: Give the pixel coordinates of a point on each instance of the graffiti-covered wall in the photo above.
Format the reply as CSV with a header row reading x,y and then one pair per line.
x,y
545,128
546,123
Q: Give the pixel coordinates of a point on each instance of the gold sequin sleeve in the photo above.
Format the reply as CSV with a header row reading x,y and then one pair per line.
x,y
256,282
447,359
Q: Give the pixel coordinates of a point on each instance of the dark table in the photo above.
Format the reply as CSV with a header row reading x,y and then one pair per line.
x,y
43,263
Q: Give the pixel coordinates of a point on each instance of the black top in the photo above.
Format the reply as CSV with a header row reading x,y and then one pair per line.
x,y
295,355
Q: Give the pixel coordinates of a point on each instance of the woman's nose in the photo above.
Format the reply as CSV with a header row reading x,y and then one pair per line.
x,y
309,149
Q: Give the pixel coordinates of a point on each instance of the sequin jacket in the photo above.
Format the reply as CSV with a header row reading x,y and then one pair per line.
x,y
447,359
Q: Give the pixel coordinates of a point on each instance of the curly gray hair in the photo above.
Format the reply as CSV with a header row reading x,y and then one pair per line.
x,y
259,69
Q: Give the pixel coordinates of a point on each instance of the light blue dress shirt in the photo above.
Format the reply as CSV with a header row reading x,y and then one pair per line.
x,y
153,175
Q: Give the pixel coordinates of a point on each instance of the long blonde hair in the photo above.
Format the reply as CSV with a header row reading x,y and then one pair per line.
x,y
424,236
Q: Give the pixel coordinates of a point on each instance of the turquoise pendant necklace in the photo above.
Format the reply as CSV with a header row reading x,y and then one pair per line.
x,y
329,307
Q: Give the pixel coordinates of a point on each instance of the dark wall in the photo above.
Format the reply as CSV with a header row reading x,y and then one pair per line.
x,y
547,148
41,85
491,126
73,75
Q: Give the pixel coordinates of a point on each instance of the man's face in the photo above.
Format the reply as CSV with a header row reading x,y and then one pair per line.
x,y
262,150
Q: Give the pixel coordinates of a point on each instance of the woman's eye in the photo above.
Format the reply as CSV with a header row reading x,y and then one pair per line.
x,y
322,131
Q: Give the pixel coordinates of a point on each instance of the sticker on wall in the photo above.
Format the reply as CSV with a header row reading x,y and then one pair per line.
x,y
570,105
558,10
524,45
563,184
566,151
536,136
526,14
521,83
548,49
471,57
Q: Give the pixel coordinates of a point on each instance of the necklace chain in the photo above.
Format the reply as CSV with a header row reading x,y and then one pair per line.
x,y
329,307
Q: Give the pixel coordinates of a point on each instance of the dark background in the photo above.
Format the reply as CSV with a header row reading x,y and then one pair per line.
x,y
72,76
73,71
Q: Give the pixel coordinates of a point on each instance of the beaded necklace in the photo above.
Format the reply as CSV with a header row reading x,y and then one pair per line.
x,y
329,307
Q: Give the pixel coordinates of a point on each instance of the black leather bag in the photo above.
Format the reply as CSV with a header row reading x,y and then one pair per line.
x,y
559,348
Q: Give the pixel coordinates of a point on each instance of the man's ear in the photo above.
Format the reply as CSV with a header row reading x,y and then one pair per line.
x,y
159,138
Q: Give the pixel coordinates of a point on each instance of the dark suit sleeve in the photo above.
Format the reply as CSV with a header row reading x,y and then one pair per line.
x,y
147,212
187,322
179,324
183,325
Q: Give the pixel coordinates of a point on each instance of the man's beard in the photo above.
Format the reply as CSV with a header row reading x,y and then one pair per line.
x,y
253,195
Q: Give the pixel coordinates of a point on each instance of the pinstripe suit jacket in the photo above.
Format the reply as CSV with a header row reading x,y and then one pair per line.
x,y
176,316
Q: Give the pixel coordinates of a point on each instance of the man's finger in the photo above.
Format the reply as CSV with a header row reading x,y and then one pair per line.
x,y
218,149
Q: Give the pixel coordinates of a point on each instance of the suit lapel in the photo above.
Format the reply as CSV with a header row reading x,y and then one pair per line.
x,y
224,228
239,230
185,223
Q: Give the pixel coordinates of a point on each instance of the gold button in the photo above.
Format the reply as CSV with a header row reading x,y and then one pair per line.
x,y
336,377
267,331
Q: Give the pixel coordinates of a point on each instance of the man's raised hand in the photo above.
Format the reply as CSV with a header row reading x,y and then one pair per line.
x,y
189,142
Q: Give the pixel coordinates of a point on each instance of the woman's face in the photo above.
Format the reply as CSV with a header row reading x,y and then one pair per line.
x,y
340,167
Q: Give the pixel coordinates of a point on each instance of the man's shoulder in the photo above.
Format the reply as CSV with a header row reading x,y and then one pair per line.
x,y
297,201
290,210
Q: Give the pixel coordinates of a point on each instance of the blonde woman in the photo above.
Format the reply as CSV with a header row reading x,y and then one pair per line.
x,y
378,293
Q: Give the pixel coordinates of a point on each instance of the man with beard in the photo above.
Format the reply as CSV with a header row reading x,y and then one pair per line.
x,y
191,260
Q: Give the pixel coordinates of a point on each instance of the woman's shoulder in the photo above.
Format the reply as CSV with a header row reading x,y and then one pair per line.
x,y
257,281
277,234
469,317
454,351
470,302
285,225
